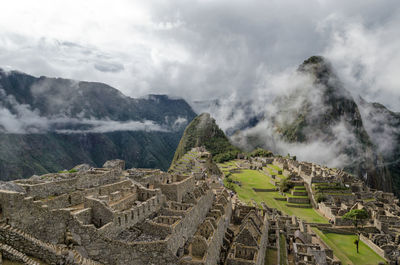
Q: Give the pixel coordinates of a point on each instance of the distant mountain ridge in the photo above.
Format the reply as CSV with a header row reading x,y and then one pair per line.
x,y
50,124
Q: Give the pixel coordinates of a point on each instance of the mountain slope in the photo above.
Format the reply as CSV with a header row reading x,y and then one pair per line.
x,y
203,131
51,124
326,111
383,126
318,120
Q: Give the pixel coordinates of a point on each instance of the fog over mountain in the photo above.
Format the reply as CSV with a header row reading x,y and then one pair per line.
x,y
233,59
204,50
51,124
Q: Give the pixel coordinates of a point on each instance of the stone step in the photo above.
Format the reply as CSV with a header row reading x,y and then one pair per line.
x,y
299,193
21,256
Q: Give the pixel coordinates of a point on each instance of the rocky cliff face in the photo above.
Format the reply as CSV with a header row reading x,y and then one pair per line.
x,y
51,124
383,126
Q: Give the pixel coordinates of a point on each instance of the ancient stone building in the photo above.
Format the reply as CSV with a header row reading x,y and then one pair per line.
x,y
114,216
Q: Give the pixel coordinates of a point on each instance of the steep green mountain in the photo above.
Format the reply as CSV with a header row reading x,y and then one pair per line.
x,y
203,131
319,118
326,111
51,124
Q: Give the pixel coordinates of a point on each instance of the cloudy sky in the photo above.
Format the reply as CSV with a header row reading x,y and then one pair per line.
x,y
205,49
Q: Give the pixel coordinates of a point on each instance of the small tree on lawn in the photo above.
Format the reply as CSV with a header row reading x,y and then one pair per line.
x,y
285,185
356,216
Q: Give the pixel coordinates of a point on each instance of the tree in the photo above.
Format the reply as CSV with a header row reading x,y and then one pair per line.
x,y
356,216
356,242
285,185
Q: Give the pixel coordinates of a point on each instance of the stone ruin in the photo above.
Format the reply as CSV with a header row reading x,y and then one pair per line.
x,y
110,215
332,192
342,192
185,216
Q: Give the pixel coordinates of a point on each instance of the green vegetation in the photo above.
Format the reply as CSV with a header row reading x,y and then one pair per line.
x,y
259,152
319,197
250,179
226,156
271,256
203,131
356,216
68,171
342,246
282,250
320,187
273,171
285,185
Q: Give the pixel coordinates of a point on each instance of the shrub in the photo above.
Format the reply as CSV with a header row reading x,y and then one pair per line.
x,y
261,152
68,171
285,185
226,156
320,197
231,186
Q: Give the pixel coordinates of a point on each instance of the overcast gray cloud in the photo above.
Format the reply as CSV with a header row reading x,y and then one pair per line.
x,y
204,49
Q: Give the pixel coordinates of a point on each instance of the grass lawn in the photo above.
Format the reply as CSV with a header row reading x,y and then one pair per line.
x,y
282,248
275,167
271,257
255,179
343,247
273,171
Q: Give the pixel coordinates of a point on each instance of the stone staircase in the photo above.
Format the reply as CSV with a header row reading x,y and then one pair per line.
x,y
15,255
55,252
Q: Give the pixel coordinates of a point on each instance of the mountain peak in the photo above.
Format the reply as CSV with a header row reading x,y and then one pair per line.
x,y
320,68
204,131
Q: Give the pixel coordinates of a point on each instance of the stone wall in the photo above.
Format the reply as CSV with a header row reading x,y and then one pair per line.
x,y
100,213
176,190
326,210
339,221
80,181
374,247
209,249
189,224
263,242
130,217
12,254
49,253
148,177
298,200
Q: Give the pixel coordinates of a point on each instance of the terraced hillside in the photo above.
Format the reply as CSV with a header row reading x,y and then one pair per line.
x,y
255,187
263,186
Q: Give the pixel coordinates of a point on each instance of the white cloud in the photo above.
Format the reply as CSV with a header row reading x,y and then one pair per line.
x,y
18,118
201,49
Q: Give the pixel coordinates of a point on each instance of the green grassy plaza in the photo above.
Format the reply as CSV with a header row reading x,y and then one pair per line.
x,y
344,248
342,245
250,179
